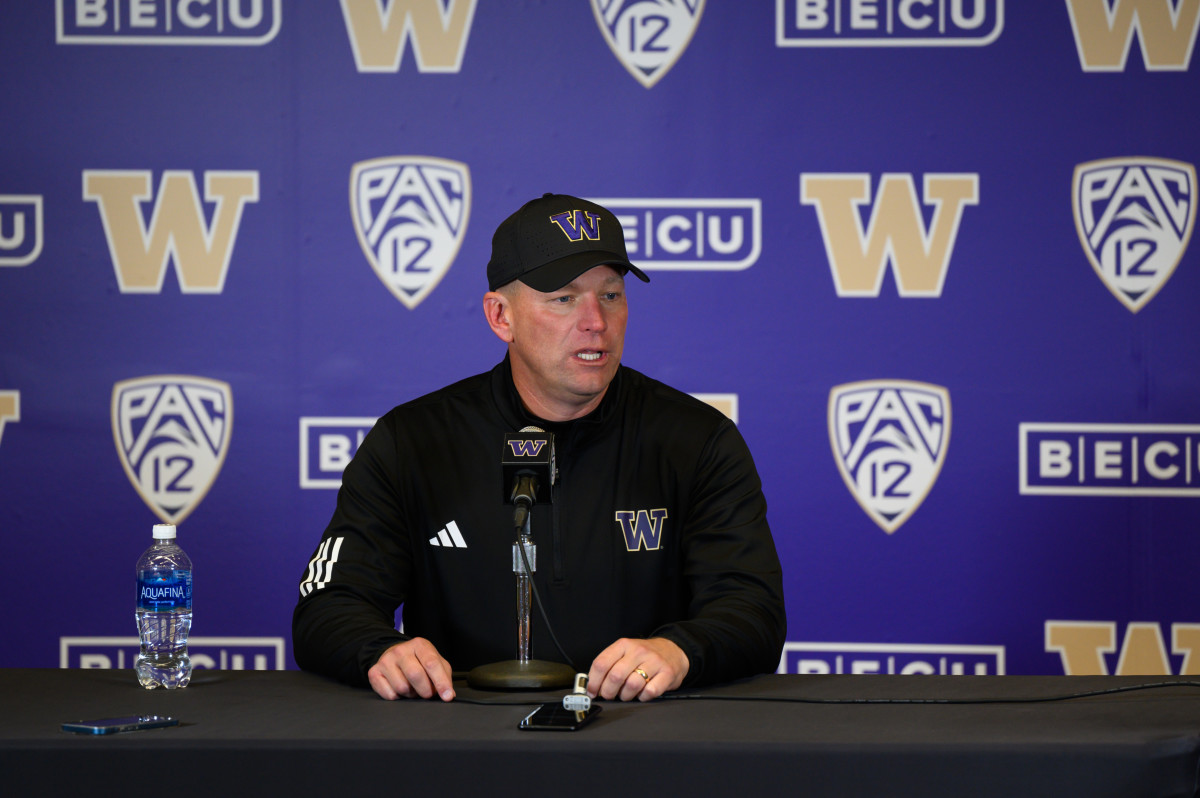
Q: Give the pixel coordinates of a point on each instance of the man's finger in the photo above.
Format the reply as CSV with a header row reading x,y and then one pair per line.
x,y
439,677
381,685
634,684
412,668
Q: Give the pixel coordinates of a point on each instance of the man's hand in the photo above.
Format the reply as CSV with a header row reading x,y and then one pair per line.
x,y
644,669
410,669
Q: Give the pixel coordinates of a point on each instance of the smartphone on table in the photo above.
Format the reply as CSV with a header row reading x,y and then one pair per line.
x,y
556,717
117,725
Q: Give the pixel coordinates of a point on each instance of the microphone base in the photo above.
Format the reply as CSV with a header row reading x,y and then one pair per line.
x,y
535,674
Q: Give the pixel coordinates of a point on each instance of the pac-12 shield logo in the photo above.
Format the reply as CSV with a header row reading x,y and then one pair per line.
x,y
889,439
410,214
1134,217
172,433
648,36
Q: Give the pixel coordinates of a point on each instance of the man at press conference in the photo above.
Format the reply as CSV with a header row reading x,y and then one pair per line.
x,y
655,565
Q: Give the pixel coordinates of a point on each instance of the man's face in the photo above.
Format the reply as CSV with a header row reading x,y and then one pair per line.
x,y
566,345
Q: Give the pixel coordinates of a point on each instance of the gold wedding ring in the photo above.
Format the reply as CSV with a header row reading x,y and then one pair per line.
x,y
641,673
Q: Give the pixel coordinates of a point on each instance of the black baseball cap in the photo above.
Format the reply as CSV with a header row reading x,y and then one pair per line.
x,y
552,240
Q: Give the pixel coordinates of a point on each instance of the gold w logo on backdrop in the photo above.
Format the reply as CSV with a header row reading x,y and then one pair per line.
x,y
1104,29
438,31
10,408
177,229
896,232
1082,645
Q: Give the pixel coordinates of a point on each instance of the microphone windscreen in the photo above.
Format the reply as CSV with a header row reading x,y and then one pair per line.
x,y
529,452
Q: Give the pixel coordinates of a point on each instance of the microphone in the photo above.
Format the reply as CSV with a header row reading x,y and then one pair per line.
x,y
527,461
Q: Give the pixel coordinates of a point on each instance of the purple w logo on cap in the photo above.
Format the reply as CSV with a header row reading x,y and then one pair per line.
x,y
577,224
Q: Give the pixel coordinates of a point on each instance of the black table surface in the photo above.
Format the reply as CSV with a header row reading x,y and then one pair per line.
x,y
287,732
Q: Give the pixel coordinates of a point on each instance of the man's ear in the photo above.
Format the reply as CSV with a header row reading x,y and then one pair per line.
x,y
497,310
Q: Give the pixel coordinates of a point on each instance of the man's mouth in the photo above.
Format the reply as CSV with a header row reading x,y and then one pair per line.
x,y
590,356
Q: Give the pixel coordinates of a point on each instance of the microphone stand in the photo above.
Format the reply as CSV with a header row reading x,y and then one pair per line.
x,y
523,673
524,561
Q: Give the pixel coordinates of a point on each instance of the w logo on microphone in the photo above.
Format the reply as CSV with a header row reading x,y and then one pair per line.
x,y
889,440
642,529
577,225
410,214
172,434
526,447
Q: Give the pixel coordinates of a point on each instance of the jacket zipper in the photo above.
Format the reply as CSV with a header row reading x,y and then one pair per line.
x,y
555,536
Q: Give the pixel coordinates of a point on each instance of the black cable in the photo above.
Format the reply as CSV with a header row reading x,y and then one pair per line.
x,y
1021,700
507,700
518,514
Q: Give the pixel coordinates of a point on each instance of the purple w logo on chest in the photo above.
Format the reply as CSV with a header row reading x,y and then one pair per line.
x,y
642,528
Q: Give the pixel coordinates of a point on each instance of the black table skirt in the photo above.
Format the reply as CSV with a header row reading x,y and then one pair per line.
x,y
267,733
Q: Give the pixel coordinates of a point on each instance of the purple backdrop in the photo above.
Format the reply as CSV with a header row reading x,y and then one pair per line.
x,y
932,255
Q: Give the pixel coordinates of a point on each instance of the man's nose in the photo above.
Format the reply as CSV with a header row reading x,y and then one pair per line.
x,y
592,315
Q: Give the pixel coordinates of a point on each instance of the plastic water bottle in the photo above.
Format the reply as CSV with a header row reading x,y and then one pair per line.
x,y
164,612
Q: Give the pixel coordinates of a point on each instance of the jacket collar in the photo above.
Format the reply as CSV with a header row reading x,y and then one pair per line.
x,y
508,402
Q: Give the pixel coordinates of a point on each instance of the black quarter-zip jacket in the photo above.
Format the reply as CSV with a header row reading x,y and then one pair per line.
x,y
657,528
